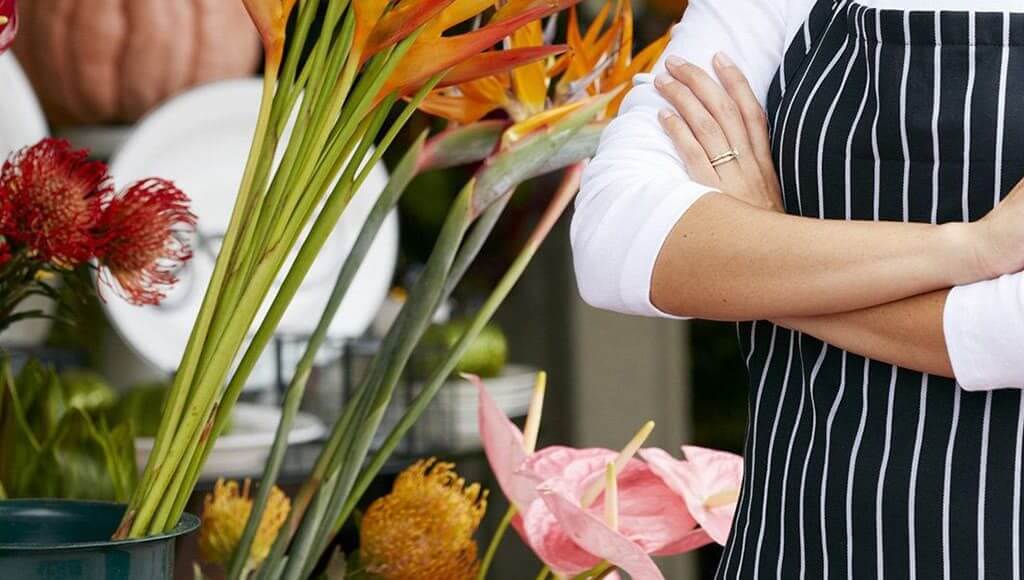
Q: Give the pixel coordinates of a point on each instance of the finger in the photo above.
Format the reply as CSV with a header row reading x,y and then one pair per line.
x,y
754,116
703,125
690,150
721,106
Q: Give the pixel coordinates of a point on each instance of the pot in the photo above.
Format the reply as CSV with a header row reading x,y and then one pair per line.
x,y
57,539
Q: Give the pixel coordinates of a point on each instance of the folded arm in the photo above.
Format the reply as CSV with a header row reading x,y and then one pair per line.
x,y
647,240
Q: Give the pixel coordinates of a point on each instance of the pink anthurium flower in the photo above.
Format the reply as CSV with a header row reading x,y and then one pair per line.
x,y
559,513
8,23
572,537
707,480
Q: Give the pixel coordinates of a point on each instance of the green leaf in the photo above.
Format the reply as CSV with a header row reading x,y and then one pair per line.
x,y
78,459
86,390
20,445
532,154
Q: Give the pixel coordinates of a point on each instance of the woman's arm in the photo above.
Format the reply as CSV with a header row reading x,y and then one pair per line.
x,y
728,260
972,332
636,187
908,333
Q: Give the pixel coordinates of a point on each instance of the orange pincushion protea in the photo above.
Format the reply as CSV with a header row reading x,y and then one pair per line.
x,y
424,528
225,512
143,244
53,198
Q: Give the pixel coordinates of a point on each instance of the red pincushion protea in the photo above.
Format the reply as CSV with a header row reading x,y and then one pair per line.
x,y
8,24
54,197
144,242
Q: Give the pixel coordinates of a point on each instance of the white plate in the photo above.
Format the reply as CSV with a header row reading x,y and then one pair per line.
x,y
22,123
244,451
21,118
200,140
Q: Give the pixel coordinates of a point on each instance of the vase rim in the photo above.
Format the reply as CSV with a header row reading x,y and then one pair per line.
x,y
186,524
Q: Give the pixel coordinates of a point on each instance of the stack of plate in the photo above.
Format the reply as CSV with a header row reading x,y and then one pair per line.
x,y
450,424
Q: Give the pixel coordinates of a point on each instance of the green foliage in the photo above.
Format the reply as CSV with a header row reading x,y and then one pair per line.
x,y
57,439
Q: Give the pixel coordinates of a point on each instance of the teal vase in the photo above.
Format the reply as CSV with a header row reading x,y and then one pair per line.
x,y
56,539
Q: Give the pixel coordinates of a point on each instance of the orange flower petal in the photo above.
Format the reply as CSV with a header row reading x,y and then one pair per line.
x,y
456,108
625,17
401,21
427,58
530,82
456,12
367,13
495,61
270,18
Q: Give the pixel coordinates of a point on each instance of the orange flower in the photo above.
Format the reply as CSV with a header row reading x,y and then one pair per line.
x,y
225,513
600,61
270,18
424,528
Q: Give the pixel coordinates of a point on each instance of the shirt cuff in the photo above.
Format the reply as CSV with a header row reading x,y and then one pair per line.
x,y
984,328
638,270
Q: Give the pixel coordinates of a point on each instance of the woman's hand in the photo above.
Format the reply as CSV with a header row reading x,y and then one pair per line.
x,y
1001,235
712,119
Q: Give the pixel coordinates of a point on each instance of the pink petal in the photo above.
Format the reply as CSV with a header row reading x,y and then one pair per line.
x,y
577,465
552,544
650,513
704,474
590,532
653,515
503,445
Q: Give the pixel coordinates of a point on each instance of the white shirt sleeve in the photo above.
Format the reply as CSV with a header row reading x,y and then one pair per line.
x,y
636,187
984,327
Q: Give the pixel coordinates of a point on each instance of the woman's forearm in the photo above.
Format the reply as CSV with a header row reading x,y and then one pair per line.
x,y
728,260
908,333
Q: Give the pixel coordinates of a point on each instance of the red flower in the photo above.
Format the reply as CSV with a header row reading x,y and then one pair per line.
x,y
5,252
142,229
8,24
55,195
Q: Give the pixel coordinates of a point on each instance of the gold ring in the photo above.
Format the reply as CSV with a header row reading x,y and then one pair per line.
x,y
730,155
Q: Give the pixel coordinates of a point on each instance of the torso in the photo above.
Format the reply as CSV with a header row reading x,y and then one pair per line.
x,y
855,468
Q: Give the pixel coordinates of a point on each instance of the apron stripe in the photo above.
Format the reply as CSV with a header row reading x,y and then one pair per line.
x,y
771,446
807,459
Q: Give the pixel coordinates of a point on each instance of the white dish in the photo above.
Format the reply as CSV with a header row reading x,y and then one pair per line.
x,y
22,123
243,451
200,140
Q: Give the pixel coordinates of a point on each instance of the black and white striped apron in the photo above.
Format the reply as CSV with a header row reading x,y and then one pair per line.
x,y
855,468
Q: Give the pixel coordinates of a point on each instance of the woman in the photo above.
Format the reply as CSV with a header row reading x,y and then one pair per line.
x,y
871,224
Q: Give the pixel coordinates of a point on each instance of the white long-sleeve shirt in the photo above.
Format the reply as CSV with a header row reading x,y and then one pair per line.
x,y
636,188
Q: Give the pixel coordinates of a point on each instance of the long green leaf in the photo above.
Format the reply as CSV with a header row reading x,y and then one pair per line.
x,y
399,180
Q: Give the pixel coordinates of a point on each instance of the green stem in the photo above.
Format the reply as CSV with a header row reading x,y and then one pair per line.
x,y
389,197
544,573
421,307
557,206
143,505
492,548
